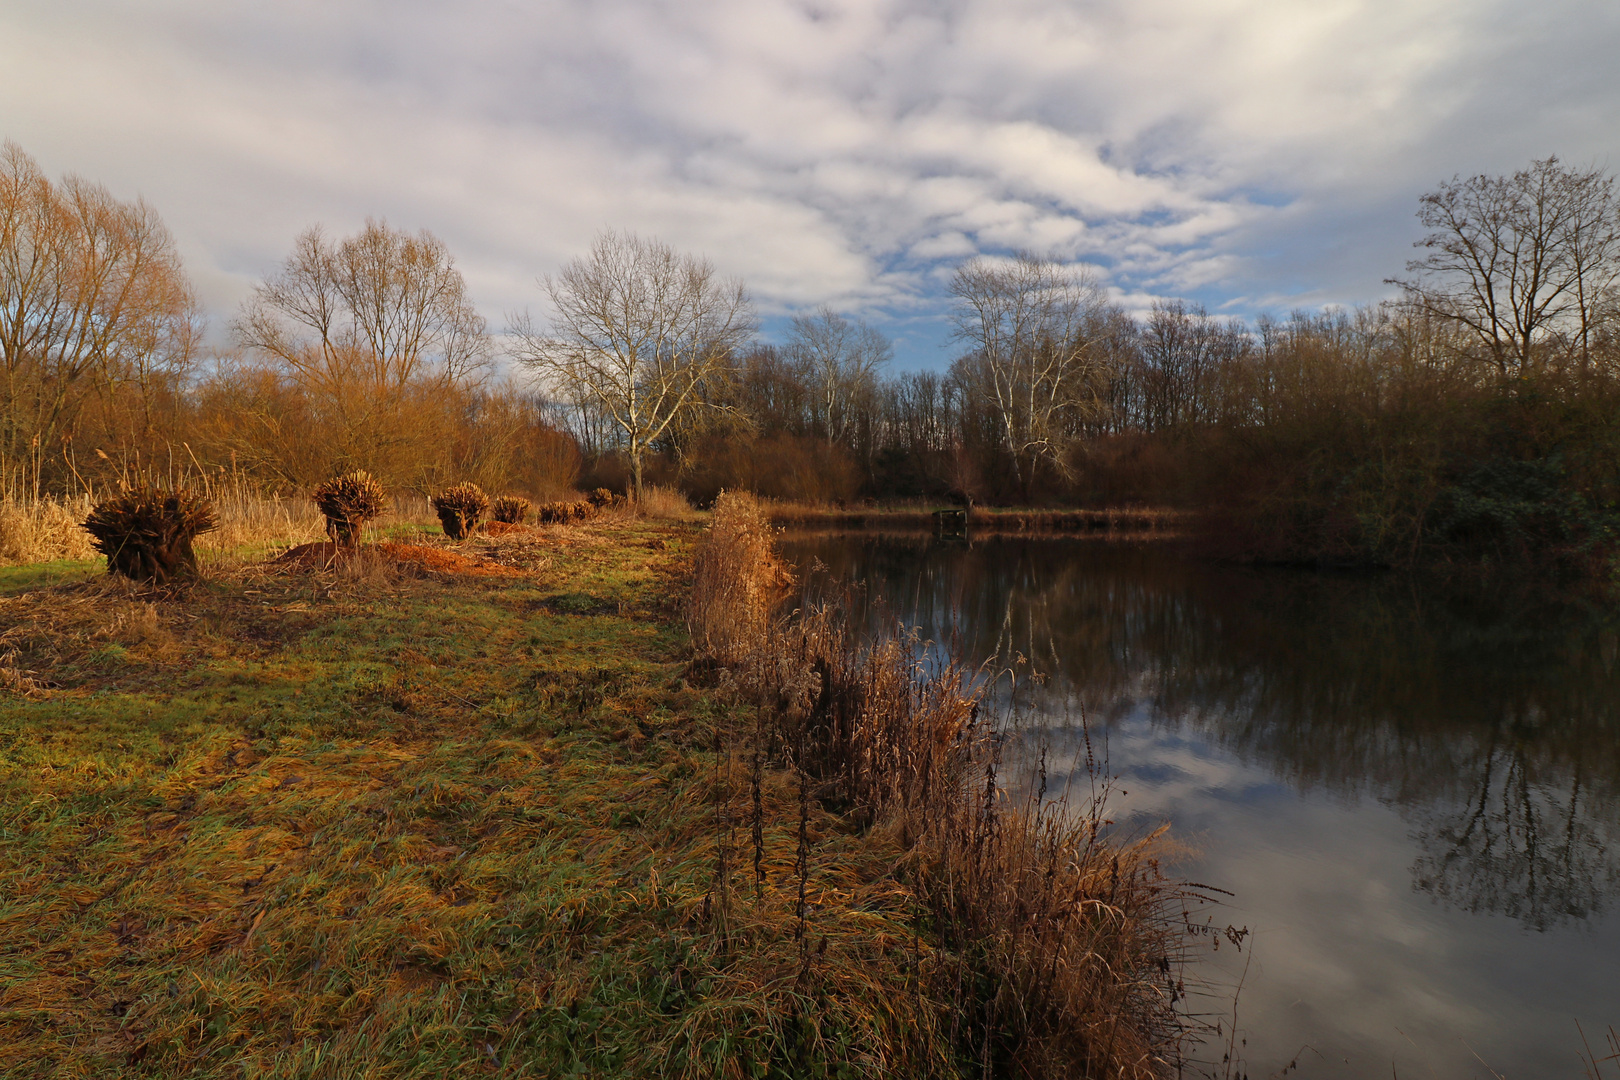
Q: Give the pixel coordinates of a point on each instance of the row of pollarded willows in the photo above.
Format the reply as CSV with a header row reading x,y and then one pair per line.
x,y
147,530
1040,947
564,512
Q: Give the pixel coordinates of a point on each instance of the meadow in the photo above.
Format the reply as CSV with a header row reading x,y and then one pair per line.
x,y
483,808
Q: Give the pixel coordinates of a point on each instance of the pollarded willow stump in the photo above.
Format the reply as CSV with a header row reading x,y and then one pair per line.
x,y
348,502
146,532
511,509
460,509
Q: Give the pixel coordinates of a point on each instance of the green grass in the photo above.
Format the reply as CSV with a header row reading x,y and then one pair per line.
x,y
16,579
297,825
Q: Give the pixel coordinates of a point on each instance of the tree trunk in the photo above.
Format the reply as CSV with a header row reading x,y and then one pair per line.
x,y
159,561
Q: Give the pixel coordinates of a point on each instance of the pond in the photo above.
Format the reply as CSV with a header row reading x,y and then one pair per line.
x,y
1413,794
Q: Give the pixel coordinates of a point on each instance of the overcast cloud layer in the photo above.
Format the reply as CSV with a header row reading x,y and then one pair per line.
x,y
1251,154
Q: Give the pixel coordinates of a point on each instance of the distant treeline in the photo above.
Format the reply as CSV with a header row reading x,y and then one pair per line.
x,y
1476,417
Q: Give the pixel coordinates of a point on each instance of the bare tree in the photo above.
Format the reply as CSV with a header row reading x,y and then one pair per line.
x,y
840,359
1184,355
371,328
638,329
1030,322
92,296
1526,265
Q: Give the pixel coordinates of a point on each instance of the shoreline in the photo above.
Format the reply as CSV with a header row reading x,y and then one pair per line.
x,y
1152,521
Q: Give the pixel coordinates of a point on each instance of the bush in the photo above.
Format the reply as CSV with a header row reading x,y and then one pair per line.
x,y
348,502
460,509
146,532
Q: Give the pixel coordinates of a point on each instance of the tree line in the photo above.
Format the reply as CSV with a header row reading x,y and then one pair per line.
x,y
1472,416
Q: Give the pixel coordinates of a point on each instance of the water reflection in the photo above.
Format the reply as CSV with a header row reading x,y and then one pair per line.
x,y
1488,723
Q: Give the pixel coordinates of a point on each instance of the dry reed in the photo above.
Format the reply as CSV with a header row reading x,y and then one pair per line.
x,y
44,530
1050,950
1594,1069
734,578
664,503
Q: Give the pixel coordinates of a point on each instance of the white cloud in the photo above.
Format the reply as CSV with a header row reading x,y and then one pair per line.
x,y
823,151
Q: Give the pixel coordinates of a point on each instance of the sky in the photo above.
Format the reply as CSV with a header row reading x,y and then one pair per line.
x,y
1249,155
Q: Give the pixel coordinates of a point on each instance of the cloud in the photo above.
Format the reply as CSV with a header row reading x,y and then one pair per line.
x,y
826,152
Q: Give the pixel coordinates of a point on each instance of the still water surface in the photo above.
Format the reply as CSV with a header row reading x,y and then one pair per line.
x,y
1414,796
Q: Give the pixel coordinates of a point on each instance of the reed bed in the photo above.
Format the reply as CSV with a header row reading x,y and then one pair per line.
x,y
44,530
1040,947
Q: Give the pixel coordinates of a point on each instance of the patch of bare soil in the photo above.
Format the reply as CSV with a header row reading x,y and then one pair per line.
x,y
434,560
320,556
505,528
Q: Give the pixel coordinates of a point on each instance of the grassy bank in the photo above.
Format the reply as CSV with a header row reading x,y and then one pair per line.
x,y
481,811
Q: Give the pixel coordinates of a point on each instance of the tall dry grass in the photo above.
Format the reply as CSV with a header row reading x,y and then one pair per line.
x,y
664,503
44,530
250,519
1051,951
735,575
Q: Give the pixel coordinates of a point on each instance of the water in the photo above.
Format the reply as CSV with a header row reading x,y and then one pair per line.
x,y
1413,795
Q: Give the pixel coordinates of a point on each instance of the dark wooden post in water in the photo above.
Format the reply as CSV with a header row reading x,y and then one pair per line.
x,y
952,522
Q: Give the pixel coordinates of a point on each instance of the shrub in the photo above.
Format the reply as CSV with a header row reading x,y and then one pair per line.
x,y
146,532
511,509
348,502
460,509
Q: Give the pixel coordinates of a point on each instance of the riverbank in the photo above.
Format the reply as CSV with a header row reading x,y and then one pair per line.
x,y
474,812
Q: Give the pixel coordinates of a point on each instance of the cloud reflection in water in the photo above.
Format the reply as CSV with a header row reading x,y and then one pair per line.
x,y
1415,796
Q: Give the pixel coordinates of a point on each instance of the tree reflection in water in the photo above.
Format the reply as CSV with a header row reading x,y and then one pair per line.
x,y
1489,721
